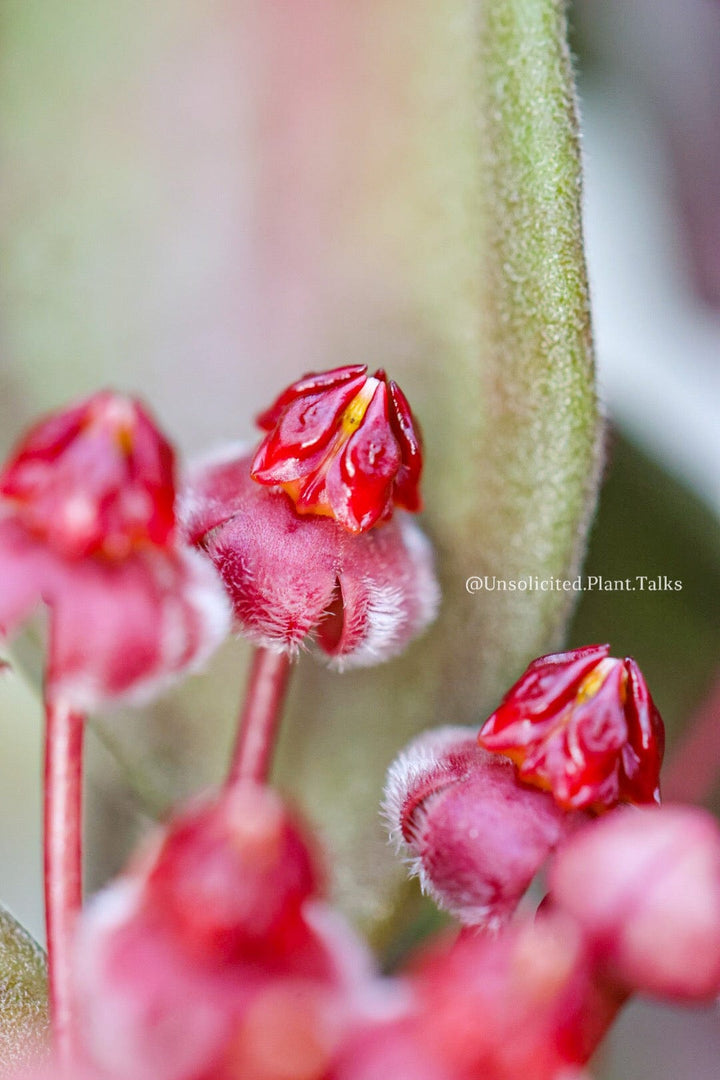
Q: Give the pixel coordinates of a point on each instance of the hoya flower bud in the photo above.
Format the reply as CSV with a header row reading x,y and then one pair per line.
x,y
97,477
87,526
582,725
474,836
214,957
342,444
231,875
644,887
292,580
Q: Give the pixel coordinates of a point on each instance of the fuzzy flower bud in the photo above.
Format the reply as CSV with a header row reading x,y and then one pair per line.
x,y
342,444
87,526
582,725
214,957
292,580
474,836
644,887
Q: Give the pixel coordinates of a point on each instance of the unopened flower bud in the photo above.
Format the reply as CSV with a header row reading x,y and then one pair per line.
x,y
517,1005
231,876
582,725
96,477
294,580
342,444
474,836
189,964
644,887
87,527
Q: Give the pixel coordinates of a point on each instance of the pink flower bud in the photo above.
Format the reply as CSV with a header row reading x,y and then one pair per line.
x,y
230,878
474,836
644,886
519,1005
87,527
582,725
214,958
293,579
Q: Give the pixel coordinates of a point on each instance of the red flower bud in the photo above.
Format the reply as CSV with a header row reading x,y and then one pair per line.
x,y
292,580
97,477
582,725
213,957
344,445
87,526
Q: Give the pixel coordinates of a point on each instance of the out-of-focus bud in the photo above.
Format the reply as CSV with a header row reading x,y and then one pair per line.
x,y
582,725
97,477
342,444
644,887
473,835
230,878
215,958
514,1006
292,580
87,526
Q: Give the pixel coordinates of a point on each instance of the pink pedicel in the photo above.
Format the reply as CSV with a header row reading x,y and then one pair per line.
x,y
293,581
582,725
474,836
87,527
342,444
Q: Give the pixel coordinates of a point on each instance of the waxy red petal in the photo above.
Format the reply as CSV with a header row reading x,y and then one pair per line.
x,y
98,477
309,384
306,427
344,446
591,745
409,437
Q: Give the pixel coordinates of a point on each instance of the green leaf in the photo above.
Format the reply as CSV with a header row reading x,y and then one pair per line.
x,y
486,210
23,995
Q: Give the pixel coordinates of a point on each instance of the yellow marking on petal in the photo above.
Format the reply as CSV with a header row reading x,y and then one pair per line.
x,y
352,417
593,681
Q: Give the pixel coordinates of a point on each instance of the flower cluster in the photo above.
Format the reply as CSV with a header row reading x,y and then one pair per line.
x,y
217,954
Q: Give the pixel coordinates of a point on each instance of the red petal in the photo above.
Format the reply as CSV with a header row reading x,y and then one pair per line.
x,y
361,488
304,431
96,477
309,384
409,438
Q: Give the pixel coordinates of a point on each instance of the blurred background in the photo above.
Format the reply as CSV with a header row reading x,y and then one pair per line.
x,y
166,229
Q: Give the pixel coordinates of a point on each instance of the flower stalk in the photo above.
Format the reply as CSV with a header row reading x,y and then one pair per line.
x,y
62,862
260,716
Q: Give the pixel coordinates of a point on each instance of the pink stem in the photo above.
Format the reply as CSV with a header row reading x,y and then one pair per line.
x,y
269,675
693,769
63,863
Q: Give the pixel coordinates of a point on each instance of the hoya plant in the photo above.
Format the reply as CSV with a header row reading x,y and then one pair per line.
x,y
421,416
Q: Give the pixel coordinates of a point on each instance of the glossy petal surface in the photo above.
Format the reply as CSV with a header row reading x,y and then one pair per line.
x,y
583,725
343,445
